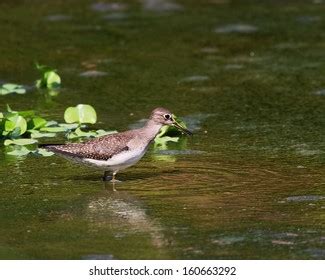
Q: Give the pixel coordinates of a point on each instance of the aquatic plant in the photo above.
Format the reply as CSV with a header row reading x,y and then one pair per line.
x,y
168,134
79,115
12,88
21,129
49,79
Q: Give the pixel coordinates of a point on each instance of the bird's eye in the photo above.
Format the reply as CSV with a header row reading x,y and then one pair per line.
x,y
167,117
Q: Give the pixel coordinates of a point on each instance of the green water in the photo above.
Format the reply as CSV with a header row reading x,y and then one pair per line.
x,y
247,76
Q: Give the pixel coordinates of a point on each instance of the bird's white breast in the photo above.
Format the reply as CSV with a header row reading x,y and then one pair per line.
x,y
119,161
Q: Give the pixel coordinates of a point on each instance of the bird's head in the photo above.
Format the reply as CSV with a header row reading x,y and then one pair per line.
x,y
165,117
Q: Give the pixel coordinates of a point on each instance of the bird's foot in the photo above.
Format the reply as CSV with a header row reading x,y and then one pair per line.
x,y
115,181
110,179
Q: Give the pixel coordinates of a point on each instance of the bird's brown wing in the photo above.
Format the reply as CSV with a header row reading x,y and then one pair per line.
x,y
102,148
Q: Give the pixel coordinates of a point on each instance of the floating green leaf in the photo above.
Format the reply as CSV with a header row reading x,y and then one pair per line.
x,y
12,88
50,79
43,152
78,133
36,123
25,114
53,129
52,123
13,124
171,131
20,142
82,113
37,134
102,132
16,126
19,151
69,126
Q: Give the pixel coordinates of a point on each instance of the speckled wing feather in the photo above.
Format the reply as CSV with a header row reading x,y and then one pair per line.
x,y
102,148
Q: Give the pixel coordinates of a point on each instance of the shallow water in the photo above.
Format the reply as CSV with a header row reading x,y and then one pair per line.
x,y
249,184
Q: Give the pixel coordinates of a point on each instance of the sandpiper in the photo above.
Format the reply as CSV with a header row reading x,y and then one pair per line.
x,y
118,151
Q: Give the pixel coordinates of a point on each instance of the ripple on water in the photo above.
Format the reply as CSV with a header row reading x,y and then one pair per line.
x,y
160,6
320,92
234,66
316,253
115,16
308,19
180,152
93,74
58,17
282,242
289,46
205,89
236,28
98,257
304,150
194,121
307,152
209,50
305,198
228,240
108,7
195,78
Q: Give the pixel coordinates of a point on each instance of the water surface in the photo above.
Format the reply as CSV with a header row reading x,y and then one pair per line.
x,y
246,76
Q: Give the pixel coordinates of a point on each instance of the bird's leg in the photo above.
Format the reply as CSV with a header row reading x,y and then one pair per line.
x,y
113,178
109,186
109,177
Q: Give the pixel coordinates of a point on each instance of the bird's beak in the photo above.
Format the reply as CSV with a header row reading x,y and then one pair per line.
x,y
182,128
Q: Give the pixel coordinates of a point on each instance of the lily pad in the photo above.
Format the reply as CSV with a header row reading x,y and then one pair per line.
x,y
102,132
19,151
78,133
37,134
50,79
13,124
12,88
51,123
20,142
25,114
43,152
82,113
53,129
36,123
69,126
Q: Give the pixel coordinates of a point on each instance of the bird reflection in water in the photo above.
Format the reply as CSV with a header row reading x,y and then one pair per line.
x,y
124,213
